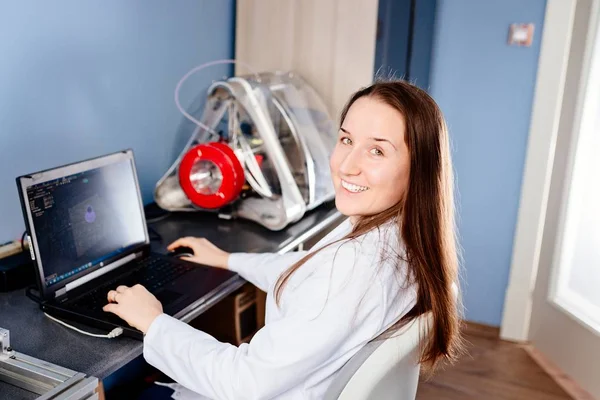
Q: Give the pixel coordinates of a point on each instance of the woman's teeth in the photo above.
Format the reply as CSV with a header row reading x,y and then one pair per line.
x,y
353,188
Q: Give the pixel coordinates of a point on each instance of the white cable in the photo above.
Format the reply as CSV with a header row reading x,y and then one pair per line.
x,y
113,334
193,71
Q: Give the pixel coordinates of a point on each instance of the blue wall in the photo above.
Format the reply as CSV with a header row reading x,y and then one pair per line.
x,y
80,79
485,89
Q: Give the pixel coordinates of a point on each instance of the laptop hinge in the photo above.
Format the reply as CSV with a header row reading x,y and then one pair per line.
x,y
99,272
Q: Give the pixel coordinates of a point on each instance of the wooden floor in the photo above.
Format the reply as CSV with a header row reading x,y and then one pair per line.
x,y
491,369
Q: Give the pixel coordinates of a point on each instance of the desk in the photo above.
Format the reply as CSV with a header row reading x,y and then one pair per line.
x,y
37,336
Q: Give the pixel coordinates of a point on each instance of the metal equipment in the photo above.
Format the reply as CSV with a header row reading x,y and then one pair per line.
x,y
50,381
262,154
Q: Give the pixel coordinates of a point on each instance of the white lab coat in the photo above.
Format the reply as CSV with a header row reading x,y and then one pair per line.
x,y
333,305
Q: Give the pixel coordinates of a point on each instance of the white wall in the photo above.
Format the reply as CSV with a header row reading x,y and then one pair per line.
x,y
330,43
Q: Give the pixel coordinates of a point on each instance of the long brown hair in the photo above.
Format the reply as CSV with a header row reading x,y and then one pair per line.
x,y
425,218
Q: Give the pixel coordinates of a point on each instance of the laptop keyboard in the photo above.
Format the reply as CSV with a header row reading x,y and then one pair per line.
x,y
151,272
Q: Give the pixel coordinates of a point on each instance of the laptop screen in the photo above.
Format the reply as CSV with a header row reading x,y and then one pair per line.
x,y
85,219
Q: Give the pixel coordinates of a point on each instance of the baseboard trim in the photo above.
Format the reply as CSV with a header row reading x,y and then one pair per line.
x,y
480,330
561,378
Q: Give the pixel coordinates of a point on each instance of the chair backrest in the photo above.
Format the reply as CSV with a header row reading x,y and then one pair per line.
x,y
383,369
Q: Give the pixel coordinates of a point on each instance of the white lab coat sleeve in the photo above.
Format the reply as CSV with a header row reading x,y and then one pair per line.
x,y
332,310
262,269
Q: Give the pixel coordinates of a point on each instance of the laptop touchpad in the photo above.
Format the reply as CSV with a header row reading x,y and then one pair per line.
x,y
167,297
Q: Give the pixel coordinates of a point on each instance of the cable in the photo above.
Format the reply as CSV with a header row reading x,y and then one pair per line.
x,y
158,218
112,334
154,213
199,68
23,241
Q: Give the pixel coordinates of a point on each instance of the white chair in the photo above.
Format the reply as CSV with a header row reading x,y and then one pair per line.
x,y
383,369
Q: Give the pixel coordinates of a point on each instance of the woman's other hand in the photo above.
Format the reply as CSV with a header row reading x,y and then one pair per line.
x,y
136,305
205,252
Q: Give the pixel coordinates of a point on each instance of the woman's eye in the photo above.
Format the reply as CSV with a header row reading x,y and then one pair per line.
x,y
376,152
346,140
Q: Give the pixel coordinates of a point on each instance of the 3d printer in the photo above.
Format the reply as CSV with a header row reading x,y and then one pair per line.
x,y
261,152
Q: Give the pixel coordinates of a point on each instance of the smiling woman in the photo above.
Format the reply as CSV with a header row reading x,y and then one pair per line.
x,y
392,166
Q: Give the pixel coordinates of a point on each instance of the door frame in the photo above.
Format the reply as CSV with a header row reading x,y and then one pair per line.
x,y
535,188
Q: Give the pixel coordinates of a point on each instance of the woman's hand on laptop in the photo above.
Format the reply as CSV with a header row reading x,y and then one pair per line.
x,y
205,252
136,305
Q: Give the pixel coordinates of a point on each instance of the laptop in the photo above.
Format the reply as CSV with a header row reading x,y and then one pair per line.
x,y
87,234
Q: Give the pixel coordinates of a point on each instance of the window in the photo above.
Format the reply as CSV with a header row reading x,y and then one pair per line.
x,y
576,277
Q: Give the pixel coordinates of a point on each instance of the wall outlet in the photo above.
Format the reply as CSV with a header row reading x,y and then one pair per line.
x,y
520,35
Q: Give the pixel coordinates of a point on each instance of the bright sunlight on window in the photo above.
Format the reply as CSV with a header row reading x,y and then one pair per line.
x,y
576,280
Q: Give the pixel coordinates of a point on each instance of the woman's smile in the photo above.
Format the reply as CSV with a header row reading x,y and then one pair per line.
x,y
352,188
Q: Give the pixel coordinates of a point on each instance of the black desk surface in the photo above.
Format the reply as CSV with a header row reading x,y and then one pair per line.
x,y
35,335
